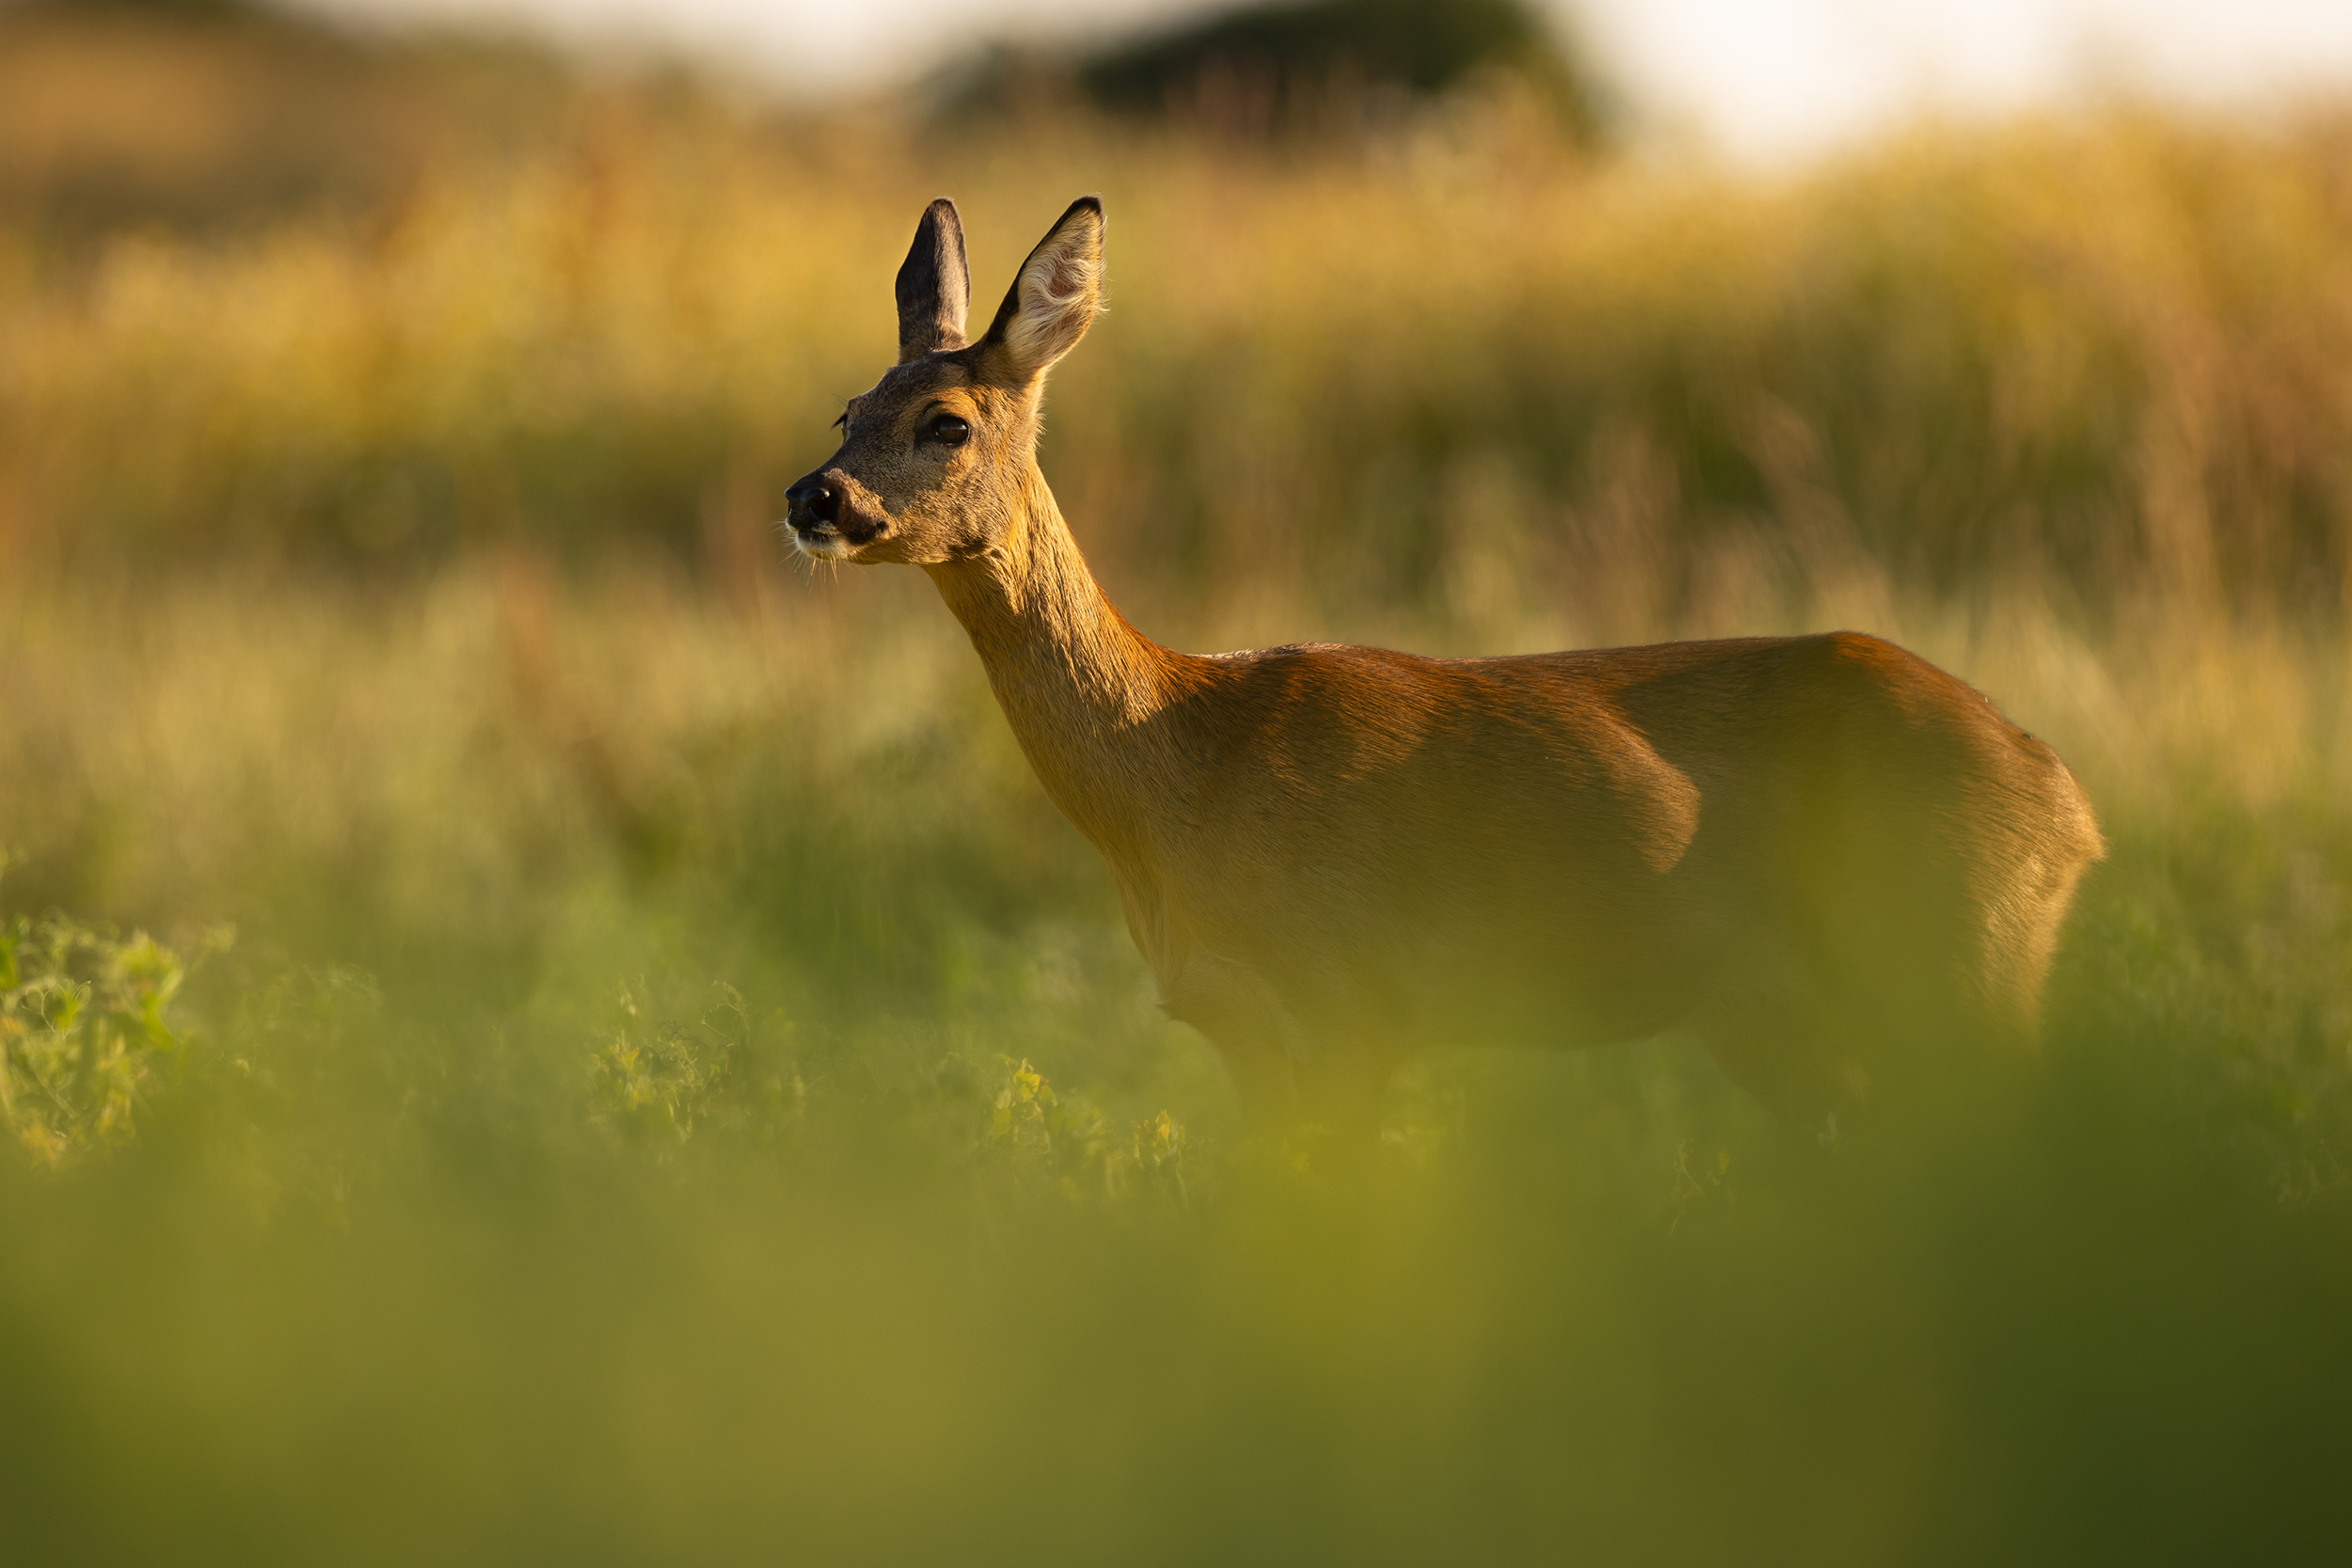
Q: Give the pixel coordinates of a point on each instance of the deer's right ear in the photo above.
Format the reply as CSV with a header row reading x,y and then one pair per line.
x,y
934,286
1056,295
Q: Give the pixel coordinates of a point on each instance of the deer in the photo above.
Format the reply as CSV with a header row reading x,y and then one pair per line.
x,y
1832,861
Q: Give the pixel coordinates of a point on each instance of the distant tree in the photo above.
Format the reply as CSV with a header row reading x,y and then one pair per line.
x,y
1294,49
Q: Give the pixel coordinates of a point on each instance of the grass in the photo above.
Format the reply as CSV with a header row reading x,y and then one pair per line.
x,y
676,1093
537,1180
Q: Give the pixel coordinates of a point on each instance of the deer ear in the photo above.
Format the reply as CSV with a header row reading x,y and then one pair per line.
x,y
934,286
1056,295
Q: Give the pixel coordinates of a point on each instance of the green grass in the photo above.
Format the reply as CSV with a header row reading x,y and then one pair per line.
x,y
536,1181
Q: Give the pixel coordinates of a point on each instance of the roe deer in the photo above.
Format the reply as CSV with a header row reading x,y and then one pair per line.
x,y
1828,858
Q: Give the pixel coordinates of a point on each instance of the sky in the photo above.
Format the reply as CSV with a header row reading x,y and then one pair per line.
x,y
1765,81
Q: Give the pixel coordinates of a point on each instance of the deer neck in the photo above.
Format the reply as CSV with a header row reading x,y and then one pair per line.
x,y
1078,685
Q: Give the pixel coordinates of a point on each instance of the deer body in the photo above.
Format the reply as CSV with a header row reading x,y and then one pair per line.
x,y
1826,856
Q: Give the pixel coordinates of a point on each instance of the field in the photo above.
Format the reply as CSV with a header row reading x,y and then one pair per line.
x,y
536,1029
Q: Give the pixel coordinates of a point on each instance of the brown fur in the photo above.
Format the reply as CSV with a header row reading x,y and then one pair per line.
x,y
1834,860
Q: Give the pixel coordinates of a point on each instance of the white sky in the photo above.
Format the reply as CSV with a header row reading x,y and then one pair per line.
x,y
1763,80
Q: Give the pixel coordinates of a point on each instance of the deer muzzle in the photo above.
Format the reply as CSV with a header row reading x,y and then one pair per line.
x,y
831,515
813,506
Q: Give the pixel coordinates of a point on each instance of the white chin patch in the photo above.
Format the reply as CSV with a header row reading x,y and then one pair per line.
x,y
830,546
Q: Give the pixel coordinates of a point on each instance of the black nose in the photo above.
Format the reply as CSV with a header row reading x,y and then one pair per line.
x,y
812,503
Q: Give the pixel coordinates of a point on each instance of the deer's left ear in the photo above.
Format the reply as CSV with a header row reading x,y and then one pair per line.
x,y
935,289
1056,295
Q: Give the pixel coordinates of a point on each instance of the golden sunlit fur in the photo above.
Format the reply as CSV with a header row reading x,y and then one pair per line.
x,y
1837,863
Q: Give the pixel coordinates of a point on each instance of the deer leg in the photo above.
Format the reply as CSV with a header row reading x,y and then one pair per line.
x,y
1888,1032
1790,1041
1290,1081
1255,1035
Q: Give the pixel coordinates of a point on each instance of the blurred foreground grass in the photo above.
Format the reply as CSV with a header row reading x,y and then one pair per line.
x,y
678,1094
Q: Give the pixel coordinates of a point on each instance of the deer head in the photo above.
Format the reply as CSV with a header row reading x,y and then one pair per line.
x,y
934,459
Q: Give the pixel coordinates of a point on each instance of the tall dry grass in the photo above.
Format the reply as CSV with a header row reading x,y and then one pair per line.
x,y
2103,357
2063,405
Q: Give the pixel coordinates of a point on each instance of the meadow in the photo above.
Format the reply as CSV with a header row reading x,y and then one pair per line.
x,y
536,1028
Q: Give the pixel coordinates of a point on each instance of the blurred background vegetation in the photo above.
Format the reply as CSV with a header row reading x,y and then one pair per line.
x,y
674,1090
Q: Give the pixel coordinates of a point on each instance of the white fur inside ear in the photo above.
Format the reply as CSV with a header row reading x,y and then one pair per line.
x,y
1060,290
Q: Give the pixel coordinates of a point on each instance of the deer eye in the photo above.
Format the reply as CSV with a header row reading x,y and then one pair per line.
x,y
948,431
